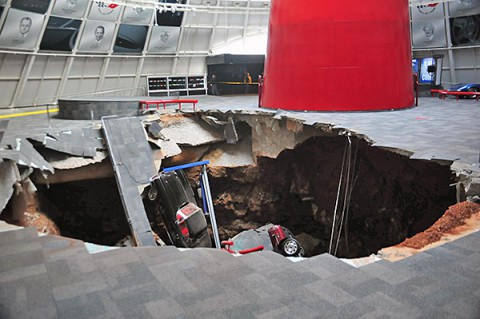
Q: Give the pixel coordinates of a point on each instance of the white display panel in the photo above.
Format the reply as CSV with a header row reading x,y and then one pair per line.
x,y
97,36
104,11
164,40
428,11
429,34
137,15
70,8
460,8
21,29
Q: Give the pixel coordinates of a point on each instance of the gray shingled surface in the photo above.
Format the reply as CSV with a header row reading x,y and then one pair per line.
x,y
55,277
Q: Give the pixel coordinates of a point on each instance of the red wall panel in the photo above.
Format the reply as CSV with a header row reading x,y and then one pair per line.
x,y
338,56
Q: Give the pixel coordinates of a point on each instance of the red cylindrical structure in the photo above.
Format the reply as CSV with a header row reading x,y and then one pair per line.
x,y
338,56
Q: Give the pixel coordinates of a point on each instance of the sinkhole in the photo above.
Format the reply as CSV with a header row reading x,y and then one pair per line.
x,y
335,192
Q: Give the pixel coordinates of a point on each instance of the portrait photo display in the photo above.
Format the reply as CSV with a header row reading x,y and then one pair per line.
x,y
429,34
137,15
97,36
164,40
21,30
70,8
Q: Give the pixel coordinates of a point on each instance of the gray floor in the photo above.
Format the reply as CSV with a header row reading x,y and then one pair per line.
x,y
54,277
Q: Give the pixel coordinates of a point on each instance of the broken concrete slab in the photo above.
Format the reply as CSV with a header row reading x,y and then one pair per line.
x,y
231,132
228,155
65,161
155,130
28,156
189,130
168,148
79,142
8,177
270,136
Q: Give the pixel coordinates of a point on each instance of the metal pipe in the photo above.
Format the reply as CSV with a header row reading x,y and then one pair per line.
x,y
208,196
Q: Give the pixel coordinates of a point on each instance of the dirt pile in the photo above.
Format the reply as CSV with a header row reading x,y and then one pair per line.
x,y
448,224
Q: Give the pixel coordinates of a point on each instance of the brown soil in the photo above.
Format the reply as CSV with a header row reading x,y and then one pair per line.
x,y
448,224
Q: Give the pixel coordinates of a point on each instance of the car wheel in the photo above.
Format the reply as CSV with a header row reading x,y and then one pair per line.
x,y
290,247
472,90
152,193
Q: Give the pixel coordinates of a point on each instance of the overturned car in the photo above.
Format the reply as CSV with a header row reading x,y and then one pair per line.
x,y
184,222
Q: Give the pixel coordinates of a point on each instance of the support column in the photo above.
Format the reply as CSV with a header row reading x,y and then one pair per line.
x,y
348,56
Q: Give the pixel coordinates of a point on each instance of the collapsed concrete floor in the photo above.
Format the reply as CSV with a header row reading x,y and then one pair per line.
x,y
266,170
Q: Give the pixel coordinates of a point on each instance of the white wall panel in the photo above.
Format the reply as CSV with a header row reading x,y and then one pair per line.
x,y
77,87
12,66
157,66
119,83
86,66
199,18
463,58
223,36
122,66
8,90
197,66
182,66
231,20
46,66
41,92
468,76
195,39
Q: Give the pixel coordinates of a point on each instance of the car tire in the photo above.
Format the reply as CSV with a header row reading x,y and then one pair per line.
x,y
152,193
290,247
472,90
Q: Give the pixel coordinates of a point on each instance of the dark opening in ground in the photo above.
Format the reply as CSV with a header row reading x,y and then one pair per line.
x,y
391,198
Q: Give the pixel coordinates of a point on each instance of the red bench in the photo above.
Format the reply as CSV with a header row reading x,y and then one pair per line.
x,y
457,94
439,91
147,103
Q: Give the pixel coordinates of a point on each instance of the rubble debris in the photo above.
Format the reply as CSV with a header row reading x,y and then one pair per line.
x,y
28,156
155,130
213,121
228,155
63,161
231,132
8,177
454,217
189,130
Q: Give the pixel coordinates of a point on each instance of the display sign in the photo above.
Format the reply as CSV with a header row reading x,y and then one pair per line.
x,y
38,6
21,29
137,15
425,76
465,30
60,34
97,36
70,8
428,11
429,34
415,66
130,38
459,8
164,40
104,11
